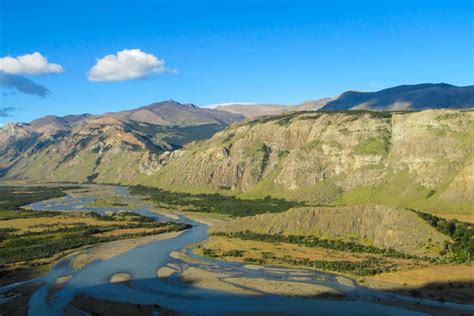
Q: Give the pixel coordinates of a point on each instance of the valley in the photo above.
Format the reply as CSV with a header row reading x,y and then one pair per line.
x,y
179,266
373,210
236,158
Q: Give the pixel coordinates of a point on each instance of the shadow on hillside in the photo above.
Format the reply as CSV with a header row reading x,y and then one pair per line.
x,y
456,292
3,171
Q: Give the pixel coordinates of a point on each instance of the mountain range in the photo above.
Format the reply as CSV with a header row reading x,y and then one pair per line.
x,y
406,98
401,98
403,158
79,146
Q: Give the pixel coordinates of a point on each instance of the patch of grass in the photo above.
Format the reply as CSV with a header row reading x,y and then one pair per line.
x,y
254,149
228,138
373,146
109,201
401,191
313,145
321,193
335,144
283,154
233,253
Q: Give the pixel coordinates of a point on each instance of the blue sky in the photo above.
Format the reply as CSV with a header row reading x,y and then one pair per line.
x,y
234,51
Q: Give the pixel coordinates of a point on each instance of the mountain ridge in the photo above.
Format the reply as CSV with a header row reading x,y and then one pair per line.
x,y
256,110
406,97
173,113
416,158
92,144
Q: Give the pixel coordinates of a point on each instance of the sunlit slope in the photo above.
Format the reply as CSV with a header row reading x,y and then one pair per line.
x,y
374,225
418,159
103,149
113,147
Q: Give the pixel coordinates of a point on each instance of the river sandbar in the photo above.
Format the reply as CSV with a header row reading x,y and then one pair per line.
x,y
114,248
165,272
120,278
212,280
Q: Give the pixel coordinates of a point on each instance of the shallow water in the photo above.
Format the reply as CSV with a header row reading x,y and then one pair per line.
x,y
145,287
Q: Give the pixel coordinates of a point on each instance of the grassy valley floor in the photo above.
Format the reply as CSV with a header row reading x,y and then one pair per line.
x,y
31,241
416,277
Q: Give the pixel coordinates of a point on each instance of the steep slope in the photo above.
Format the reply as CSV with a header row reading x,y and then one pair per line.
x,y
420,159
15,139
379,226
97,149
406,97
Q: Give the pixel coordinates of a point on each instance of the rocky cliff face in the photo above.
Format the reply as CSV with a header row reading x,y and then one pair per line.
x,y
15,139
346,157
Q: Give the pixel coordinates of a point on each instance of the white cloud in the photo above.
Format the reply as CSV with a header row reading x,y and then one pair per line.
x,y
29,64
126,65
